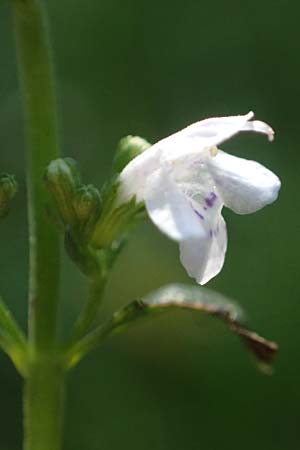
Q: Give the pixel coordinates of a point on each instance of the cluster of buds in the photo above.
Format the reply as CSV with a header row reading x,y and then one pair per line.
x,y
78,205
95,223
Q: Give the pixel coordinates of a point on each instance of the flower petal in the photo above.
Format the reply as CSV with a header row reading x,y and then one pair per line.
x,y
203,135
169,210
245,186
134,177
203,258
259,127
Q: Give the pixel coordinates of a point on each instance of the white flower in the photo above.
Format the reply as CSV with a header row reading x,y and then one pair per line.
x,y
185,181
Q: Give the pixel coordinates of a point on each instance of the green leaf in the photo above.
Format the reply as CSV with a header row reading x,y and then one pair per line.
x,y
178,296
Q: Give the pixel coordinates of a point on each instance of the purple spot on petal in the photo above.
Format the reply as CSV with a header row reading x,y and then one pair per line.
x,y
199,215
211,199
211,233
205,208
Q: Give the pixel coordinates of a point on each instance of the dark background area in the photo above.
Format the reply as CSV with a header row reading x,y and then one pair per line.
x,y
150,68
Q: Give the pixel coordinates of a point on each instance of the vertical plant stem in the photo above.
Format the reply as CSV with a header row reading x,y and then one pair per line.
x,y
36,79
43,403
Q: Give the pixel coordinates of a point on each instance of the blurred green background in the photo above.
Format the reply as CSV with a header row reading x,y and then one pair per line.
x,y
150,68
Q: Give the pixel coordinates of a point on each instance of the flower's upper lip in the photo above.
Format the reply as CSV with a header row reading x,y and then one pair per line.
x,y
209,133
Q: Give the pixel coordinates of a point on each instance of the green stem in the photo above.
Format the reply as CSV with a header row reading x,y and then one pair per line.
x,y
43,402
36,77
12,339
82,347
43,406
118,322
90,309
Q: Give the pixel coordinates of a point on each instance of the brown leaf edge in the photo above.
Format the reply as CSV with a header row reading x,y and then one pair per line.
x,y
160,301
263,349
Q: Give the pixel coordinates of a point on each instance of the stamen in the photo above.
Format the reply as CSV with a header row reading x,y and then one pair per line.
x,y
213,151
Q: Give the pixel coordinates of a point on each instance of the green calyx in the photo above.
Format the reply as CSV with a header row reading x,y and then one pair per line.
x,y
116,219
8,189
62,179
87,206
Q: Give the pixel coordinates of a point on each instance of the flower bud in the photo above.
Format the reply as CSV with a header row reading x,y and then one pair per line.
x,y
8,189
128,148
87,205
62,179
